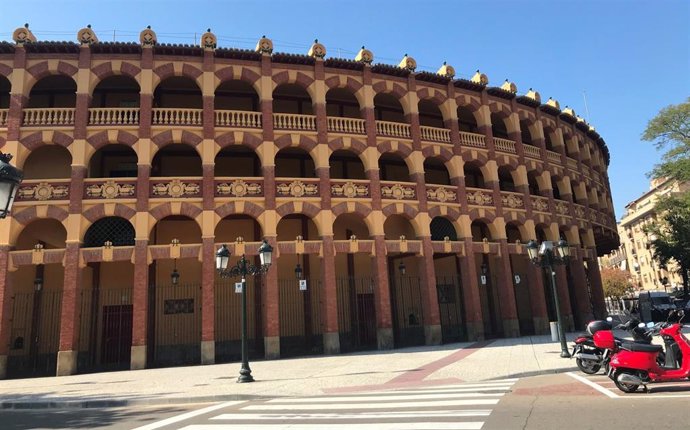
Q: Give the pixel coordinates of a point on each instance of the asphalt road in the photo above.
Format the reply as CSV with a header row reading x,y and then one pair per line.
x,y
557,401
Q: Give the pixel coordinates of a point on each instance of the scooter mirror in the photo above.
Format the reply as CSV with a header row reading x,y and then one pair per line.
x,y
642,325
609,319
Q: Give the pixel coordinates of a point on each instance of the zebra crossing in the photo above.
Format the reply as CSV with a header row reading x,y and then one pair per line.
x,y
464,406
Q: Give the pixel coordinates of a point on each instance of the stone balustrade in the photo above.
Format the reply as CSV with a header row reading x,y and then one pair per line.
x,y
48,116
238,118
504,145
113,116
472,139
393,129
176,116
346,125
293,121
435,134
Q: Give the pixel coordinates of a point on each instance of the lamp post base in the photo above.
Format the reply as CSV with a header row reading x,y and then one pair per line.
x,y
565,354
245,376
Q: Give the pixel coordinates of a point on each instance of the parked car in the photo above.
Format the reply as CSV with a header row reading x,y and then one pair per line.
x,y
654,305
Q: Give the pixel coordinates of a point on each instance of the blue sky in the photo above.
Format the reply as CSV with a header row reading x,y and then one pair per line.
x,y
630,57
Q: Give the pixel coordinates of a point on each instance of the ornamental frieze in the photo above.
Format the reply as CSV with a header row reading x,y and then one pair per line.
x,y
109,190
297,189
350,190
480,198
512,201
579,212
239,188
540,205
397,192
43,191
175,188
562,208
441,195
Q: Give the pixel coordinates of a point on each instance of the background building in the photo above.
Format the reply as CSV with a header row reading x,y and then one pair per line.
x,y
405,197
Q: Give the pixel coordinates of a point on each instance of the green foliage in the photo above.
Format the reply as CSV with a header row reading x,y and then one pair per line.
x,y
616,283
671,129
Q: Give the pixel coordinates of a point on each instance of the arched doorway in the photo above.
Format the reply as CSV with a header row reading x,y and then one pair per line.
x,y
520,265
488,269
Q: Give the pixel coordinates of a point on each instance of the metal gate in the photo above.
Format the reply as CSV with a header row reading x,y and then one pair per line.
x,y
356,313
35,334
177,326
105,332
300,318
451,308
228,320
407,310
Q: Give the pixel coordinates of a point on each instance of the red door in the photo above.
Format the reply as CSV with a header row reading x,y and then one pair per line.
x,y
117,334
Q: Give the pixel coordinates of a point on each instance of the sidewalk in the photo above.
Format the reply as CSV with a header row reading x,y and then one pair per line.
x,y
366,371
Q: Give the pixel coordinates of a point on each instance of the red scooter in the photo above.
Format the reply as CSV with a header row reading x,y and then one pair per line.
x,y
636,364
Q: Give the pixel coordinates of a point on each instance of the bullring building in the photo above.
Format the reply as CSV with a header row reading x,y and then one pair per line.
x,y
403,198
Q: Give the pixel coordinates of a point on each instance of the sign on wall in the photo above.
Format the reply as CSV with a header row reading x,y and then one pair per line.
x,y
178,306
303,285
238,287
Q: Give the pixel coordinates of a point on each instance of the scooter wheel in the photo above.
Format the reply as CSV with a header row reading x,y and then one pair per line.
x,y
589,367
623,386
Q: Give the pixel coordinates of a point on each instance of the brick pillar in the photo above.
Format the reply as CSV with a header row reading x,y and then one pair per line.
x,y
208,314
564,298
140,300
583,308
6,293
596,287
329,298
69,318
470,291
506,293
432,316
537,298
271,311
384,321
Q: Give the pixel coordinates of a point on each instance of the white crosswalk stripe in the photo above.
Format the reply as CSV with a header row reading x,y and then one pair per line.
x,y
458,407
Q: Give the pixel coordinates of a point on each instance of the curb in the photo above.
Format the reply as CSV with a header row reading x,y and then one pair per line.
x,y
97,404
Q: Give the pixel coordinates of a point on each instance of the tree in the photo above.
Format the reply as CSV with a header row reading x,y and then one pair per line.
x,y
670,129
616,283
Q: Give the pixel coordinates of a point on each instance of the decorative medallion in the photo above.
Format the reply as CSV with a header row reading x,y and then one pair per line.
x,y
43,191
239,188
317,50
349,189
447,71
147,37
23,35
480,198
175,188
534,95
397,192
553,103
86,36
408,63
110,190
264,46
509,86
441,195
540,205
209,40
365,56
480,78
297,189
512,201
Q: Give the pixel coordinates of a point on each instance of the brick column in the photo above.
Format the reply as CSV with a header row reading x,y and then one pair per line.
x,y
140,300
329,298
432,316
540,315
6,292
564,298
208,314
596,286
17,99
271,314
384,321
506,292
470,290
583,306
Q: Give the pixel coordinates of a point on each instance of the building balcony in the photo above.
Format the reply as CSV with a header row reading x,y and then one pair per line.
x,y
176,116
504,145
435,134
114,116
393,129
293,121
346,125
48,117
472,139
238,118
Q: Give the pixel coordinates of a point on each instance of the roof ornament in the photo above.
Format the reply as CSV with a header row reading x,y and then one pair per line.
x,y
365,56
534,95
148,38
209,41
23,35
86,36
553,103
408,63
264,45
480,78
447,71
509,86
569,111
317,50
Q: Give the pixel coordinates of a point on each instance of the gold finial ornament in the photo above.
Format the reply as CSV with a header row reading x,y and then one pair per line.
x,y
509,86
480,78
264,45
148,38
553,103
569,111
317,50
365,56
408,63
86,36
23,35
209,41
447,71
534,95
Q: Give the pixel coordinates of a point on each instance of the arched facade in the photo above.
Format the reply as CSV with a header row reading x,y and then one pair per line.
x,y
406,210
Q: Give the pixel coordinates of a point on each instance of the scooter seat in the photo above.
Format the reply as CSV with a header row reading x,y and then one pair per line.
x,y
641,347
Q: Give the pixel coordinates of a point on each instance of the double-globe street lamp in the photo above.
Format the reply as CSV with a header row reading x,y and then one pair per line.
x,y
244,268
546,256
10,178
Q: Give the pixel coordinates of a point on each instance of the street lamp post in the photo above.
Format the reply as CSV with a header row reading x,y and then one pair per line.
x,y
244,268
546,256
10,178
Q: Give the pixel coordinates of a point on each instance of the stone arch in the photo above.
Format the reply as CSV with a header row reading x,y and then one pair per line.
x,y
107,137
165,71
441,226
46,162
41,70
347,83
166,138
387,157
438,171
358,208
408,211
393,232
307,211
238,216
53,233
97,212
508,177
428,107
529,131
307,165
6,71
475,167
105,70
484,227
358,215
246,139
34,140
353,145
300,79
240,208
518,226
501,126
385,96
91,237
238,73
166,209
298,141
347,164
